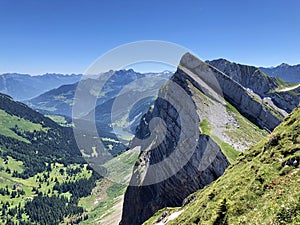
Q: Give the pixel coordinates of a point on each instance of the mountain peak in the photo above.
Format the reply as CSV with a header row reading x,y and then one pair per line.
x,y
190,61
284,65
219,60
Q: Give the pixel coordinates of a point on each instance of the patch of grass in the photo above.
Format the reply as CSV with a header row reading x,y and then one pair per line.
x,y
60,120
120,167
116,190
109,193
282,84
12,164
102,201
205,127
99,194
230,153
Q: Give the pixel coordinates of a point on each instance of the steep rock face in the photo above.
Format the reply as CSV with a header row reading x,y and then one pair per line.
x,y
255,79
287,100
246,102
248,76
199,159
195,160
141,202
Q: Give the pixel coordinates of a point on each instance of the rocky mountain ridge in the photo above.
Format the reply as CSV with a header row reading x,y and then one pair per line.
x,y
60,100
289,73
206,87
272,90
147,193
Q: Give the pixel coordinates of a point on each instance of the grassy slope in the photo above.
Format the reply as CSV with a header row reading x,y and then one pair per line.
x,y
8,122
260,188
60,120
105,202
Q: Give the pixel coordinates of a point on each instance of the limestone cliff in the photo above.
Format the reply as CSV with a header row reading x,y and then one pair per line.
x,y
197,162
248,76
260,83
246,102
176,158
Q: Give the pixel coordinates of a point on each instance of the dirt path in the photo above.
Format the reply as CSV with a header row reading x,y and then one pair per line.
x,y
115,214
288,88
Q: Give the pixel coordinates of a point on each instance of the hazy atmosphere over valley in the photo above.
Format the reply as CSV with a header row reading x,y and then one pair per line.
x,y
149,112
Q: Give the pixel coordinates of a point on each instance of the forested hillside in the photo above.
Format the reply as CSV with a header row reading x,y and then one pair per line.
x,y
42,172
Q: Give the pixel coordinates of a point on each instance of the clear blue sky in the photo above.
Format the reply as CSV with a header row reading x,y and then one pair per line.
x,y
39,36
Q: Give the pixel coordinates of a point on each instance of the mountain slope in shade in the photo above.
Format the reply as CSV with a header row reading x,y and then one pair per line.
x,y
223,108
284,71
22,86
262,187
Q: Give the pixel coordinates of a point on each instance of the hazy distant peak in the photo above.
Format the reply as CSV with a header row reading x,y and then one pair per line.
x,y
284,65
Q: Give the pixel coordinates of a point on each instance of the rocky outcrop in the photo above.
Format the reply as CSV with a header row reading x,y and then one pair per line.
x,y
287,100
141,202
261,83
247,103
248,76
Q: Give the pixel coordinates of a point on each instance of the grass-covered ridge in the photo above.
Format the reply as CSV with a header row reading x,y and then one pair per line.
x,y
262,187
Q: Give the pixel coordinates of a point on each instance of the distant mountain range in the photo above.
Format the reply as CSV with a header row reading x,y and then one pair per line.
x,y
59,101
23,86
284,71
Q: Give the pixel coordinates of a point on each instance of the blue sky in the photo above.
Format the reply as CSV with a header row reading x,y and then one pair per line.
x,y
67,36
